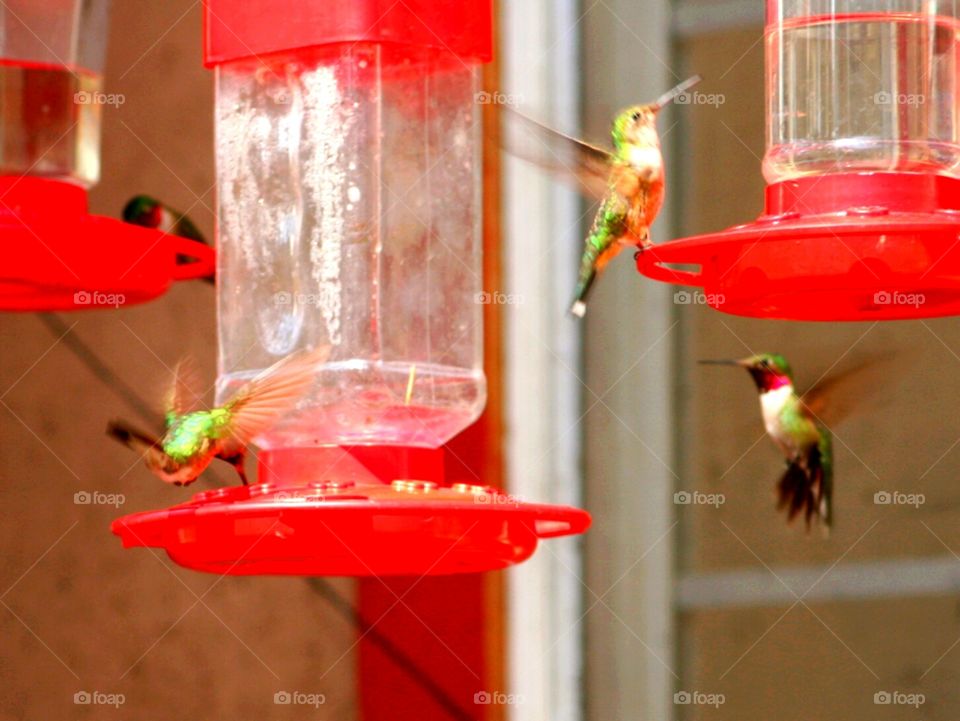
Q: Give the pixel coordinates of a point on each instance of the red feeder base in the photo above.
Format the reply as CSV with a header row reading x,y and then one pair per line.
x,y
352,525
58,257
855,246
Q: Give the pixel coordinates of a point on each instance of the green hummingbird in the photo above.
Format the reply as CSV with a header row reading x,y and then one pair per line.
x,y
151,213
193,438
793,424
628,180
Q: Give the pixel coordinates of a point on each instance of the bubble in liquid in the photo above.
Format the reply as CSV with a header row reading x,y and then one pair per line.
x,y
353,194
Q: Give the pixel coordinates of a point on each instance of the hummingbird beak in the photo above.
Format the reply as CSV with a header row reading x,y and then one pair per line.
x,y
740,363
671,95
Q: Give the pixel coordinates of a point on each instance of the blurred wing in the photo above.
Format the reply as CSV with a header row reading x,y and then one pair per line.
x,y
184,394
185,228
839,394
256,406
574,160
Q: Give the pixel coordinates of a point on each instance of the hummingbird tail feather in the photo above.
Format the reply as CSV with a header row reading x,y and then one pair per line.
x,y
129,436
578,307
806,487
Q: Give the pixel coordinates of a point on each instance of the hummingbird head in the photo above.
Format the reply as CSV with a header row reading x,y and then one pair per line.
x,y
768,370
637,125
143,210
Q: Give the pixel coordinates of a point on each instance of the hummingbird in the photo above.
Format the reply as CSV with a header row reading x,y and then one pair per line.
x,y
629,181
792,422
193,438
151,213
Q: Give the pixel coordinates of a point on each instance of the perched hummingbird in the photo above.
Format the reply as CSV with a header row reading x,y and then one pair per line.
x,y
629,180
150,213
193,438
790,420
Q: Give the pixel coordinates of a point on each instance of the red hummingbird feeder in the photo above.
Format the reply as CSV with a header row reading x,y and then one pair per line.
x,y
862,213
349,183
56,255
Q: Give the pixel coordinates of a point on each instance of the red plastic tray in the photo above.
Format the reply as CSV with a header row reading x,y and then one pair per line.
x,y
343,529
58,257
866,246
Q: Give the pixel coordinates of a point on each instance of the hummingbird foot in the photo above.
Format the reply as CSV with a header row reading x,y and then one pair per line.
x,y
236,460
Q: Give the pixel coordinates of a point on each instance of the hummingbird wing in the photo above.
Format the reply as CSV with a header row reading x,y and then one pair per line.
x,y
185,228
834,397
256,406
574,160
184,394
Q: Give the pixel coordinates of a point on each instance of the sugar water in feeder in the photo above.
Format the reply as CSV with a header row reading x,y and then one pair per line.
x,y
871,88
350,216
51,74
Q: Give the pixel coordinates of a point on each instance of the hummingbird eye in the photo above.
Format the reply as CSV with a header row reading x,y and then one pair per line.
x,y
636,116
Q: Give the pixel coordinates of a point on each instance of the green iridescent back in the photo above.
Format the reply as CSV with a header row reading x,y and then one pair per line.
x,y
187,434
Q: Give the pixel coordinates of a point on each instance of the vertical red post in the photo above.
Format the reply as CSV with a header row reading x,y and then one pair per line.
x,y
450,628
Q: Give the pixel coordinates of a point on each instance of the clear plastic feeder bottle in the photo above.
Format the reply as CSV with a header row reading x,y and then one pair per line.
x,y
349,183
348,172
51,59
861,85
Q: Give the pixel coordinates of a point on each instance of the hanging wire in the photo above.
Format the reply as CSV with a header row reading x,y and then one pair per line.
x,y
323,588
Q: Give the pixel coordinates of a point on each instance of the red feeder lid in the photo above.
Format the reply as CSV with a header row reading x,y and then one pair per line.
x,y
57,257
235,29
347,528
846,246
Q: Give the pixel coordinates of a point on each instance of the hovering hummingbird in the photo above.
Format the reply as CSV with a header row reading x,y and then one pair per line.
x,y
193,438
629,180
150,213
792,422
